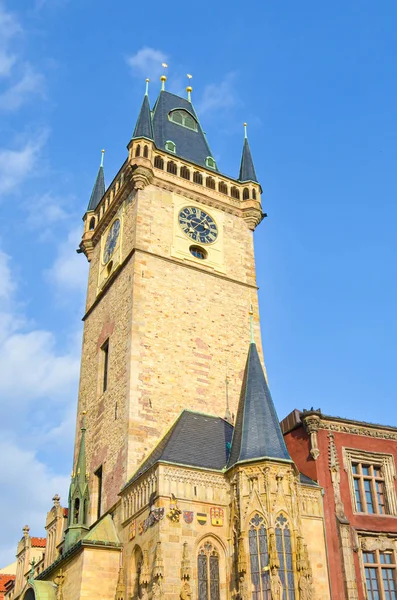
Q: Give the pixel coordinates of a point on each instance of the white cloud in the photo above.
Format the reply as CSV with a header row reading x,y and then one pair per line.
x,y
9,28
69,271
18,164
45,211
218,96
31,486
30,82
147,62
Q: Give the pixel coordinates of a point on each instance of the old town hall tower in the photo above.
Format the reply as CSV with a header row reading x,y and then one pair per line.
x,y
182,485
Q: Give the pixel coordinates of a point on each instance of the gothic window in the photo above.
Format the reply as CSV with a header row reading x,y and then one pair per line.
x,y
197,178
284,551
259,559
138,150
254,194
208,573
76,511
171,167
182,117
170,146
246,194
210,162
210,183
235,193
185,173
222,187
145,151
380,575
92,223
158,162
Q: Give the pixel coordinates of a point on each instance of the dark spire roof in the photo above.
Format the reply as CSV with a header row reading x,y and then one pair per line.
x,y
190,144
257,433
247,169
99,188
143,127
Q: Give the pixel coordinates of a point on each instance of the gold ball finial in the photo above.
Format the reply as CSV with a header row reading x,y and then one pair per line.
x,y
147,79
245,124
189,88
163,78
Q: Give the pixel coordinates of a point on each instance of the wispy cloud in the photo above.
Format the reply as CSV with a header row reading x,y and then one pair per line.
x,y
147,62
16,165
69,270
20,79
218,96
30,82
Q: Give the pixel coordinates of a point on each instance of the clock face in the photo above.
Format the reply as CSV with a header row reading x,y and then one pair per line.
x,y
111,241
198,225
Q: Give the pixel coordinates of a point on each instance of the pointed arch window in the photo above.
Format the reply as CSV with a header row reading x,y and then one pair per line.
x,y
138,150
246,194
259,558
158,162
182,117
145,151
208,572
284,551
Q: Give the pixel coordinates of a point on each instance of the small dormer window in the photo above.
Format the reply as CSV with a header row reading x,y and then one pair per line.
x,y
182,117
170,146
210,162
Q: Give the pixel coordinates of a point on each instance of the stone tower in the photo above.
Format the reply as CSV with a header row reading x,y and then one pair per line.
x,y
172,277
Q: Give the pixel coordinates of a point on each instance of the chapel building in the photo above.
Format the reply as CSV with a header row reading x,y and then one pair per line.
x,y
182,485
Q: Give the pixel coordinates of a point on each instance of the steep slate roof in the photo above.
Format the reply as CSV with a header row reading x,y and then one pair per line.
x,y
257,433
98,190
190,145
247,169
195,440
143,127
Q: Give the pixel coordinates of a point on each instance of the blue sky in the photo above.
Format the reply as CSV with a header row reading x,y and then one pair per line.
x,y
316,83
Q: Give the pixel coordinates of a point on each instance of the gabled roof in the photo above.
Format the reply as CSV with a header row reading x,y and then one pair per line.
x,y
194,440
97,191
143,127
190,145
247,169
257,433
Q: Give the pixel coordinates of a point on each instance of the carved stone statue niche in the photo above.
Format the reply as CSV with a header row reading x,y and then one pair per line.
x,y
276,587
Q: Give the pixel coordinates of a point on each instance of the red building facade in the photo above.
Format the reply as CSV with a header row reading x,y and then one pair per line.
x,y
355,463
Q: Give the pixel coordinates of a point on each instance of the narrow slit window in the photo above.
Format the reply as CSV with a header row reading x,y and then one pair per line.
x,y
98,477
105,360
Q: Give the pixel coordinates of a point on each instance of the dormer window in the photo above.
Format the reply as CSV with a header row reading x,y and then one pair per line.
x,y
210,162
170,146
182,117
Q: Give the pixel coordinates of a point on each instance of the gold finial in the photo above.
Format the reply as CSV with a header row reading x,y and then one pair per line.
x,y
189,88
245,130
163,78
251,314
147,86
102,156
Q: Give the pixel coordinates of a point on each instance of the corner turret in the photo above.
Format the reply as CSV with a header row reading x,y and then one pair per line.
x,y
247,169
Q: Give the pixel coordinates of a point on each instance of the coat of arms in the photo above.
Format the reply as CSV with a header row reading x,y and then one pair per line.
x,y
202,518
188,516
216,516
132,530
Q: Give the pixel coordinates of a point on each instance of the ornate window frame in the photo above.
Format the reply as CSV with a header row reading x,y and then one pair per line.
x,y
376,545
386,462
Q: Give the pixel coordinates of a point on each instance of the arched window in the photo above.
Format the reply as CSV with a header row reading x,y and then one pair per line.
x,y
182,117
254,194
246,194
170,146
92,223
210,183
235,193
222,187
145,151
210,162
138,150
197,178
208,573
259,559
158,162
185,173
76,511
171,167
284,551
